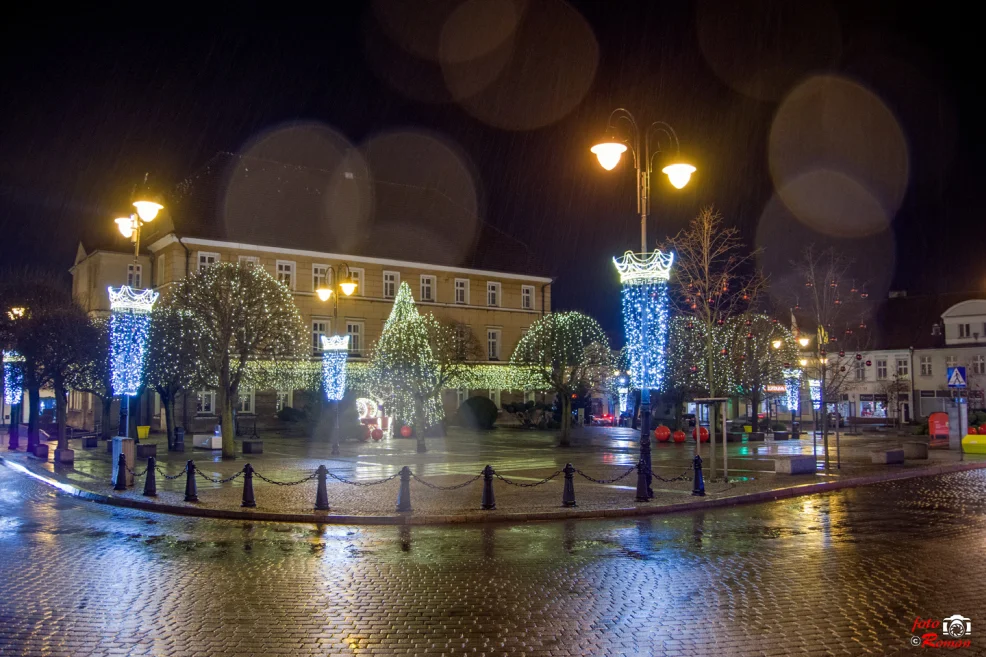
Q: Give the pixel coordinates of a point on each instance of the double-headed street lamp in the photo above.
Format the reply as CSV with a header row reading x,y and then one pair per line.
x,y
645,275
335,349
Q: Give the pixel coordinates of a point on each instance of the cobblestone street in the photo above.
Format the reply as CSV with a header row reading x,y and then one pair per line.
x,y
843,573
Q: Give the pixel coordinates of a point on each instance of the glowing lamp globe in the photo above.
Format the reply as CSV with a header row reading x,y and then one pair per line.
x,y
803,341
147,210
348,286
776,344
126,226
608,153
679,174
323,293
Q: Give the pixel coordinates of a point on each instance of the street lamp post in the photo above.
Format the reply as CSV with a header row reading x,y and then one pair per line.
x,y
644,277
347,286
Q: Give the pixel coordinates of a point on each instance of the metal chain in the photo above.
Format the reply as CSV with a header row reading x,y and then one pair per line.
x,y
166,476
530,485
363,483
684,476
137,474
437,487
606,481
285,483
217,481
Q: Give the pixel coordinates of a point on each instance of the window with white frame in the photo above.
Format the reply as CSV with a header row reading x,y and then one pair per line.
x,y
951,361
206,402
249,261
245,402
320,277
979,364
159,270
354,330
492,294
461,394
391,279
926,366
529,397
284,399
462,290
285,273
134,275
495,397
493,344
965,331
427,288
881,370
206,260
357,275
527,297
903,367
320,328
860,370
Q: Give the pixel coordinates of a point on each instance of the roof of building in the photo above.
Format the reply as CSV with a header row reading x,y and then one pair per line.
x,y
907,321
246,199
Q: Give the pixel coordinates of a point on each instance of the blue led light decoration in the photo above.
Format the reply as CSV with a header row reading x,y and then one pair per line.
x,y
335,351
13,378
130,323
645,314
792,381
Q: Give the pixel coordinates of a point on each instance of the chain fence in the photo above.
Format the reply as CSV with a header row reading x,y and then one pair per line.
x,y
528,485
428,484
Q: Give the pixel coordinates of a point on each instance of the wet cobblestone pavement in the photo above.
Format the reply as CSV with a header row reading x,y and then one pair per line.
x,y
843,573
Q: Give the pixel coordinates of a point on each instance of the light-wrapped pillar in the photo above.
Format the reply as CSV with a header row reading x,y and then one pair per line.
x,y
130,324
335,351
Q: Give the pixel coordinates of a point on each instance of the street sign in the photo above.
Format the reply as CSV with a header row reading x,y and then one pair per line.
x,y
956,377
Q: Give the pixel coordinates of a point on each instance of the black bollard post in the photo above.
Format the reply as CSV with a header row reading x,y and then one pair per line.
x,y
322,496
404,494
698,483
191,494
121,473
568,495
643,494
489,502
150,483
249,500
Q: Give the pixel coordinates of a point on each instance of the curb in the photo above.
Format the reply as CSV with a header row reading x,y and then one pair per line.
x,y
486,516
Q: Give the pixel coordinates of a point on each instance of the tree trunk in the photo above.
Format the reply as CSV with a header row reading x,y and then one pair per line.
x,y
566,420
168,404
107,408
60,412
133,417
226,422
419,424
755,414
33,417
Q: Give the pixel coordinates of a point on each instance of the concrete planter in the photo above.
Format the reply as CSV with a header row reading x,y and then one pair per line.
x,y
41,451
63,456
735,437
756,436
143,451
253,447
915,450
782,435
90,442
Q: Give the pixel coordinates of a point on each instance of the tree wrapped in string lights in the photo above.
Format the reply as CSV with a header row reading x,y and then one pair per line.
x,y
566,353
172,366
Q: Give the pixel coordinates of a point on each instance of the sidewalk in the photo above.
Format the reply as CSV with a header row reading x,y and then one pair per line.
x,y
522,457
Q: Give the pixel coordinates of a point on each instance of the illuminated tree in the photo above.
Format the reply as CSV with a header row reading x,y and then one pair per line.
x,y
453,345
172,350
566,353
685,373
755,361
93,375
242,313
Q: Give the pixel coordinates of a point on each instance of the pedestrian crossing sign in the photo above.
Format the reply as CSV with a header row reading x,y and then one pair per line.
x,y
956,377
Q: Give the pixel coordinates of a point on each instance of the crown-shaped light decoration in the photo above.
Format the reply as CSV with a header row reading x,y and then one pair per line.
x,y
126,298
654,266
335,343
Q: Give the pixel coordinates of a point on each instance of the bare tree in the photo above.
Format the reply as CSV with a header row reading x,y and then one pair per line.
x,y
759,349
453,346
172,365
93,374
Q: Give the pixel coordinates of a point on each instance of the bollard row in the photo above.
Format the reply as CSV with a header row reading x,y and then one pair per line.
x,y
487,502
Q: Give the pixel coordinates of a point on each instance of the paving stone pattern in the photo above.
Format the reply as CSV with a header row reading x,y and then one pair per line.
x,y
842,573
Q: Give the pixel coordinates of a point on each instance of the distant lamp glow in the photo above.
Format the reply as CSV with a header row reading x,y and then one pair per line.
x,y
323,293
147,210
16,313
776,344
679,174
348,286
609,152
803,362
803,341
126,226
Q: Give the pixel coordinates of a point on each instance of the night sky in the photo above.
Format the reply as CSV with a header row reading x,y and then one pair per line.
x,y
846,124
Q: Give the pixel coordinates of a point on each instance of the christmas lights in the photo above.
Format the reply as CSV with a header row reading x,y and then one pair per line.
x,y
792,381
815,389
335,351
645,314
13,378
130,324
652,267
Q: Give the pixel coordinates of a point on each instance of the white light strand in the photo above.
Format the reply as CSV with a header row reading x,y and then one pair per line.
x,y
652,267
126,298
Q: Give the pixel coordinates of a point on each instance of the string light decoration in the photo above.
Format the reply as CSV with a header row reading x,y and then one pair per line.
x,y
13,378
792,382
645,314
130,324
335,351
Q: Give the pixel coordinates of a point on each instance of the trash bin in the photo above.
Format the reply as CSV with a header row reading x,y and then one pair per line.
x,y
179,445
143,432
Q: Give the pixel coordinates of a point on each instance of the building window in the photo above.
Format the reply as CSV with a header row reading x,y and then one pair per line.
x,y
320,328
206,260
285,273
951,361
461,395
495,397
206,402
493,344
355,332
284,399
860,370
320,277
427,288
391,279
492,294
903,367
134,275
249,261
964,331
925,365
979,364
462,290
527,297
159,270
881,370
529,397
357,275
245,404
